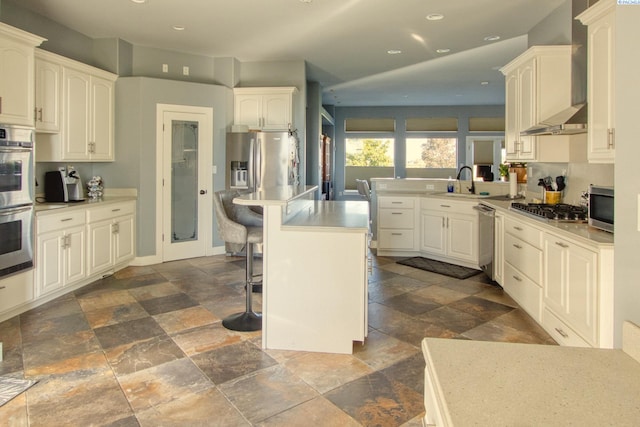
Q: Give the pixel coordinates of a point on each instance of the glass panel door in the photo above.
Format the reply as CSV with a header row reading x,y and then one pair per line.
x,y
184,181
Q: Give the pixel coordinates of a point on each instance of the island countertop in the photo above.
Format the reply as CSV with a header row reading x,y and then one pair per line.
x,y
506,384
335,215
274,195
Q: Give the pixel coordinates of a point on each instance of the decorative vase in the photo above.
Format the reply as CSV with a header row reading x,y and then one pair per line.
x,y
95,188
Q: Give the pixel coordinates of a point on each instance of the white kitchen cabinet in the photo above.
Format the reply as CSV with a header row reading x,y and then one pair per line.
x,y
523,267
537,85
449,231
17,75
498,248
600,19
15,291
110,236
87,115
570,290
48,93
397,223
60,251
263,108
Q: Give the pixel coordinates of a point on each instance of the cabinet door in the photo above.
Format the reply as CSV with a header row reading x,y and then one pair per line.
x,y
124,239
511,126
16,83
248,111
100,246
75,255
527,103
498,252
555,267
76,132
462,240
50,262
276,112
101,116
48,101
601,91
433,238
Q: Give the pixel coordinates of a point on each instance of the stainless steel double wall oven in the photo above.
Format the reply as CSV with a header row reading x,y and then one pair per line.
x,y
16,199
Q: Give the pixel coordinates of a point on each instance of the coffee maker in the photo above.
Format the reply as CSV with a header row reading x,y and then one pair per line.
x,y
60,187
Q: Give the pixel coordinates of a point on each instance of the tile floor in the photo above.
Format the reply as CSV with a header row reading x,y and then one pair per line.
x,y
146,347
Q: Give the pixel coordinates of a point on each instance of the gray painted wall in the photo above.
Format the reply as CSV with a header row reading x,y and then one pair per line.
x,y
554,29
135,147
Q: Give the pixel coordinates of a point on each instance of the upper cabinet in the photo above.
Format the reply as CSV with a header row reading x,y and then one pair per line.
x,y
264,108
17,75
86,119
537,85
48,92
601,32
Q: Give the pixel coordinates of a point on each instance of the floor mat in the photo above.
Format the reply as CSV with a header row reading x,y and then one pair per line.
x,y
11,387
440,267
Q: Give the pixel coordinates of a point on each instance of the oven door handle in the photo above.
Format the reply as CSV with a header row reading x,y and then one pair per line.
x,y
10,149
13,211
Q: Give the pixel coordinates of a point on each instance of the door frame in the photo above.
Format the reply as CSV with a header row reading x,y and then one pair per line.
x,y
207,112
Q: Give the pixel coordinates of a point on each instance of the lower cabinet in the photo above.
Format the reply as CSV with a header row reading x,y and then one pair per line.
x,y
570,292
396,223
110,236
60,251
76,246
449,230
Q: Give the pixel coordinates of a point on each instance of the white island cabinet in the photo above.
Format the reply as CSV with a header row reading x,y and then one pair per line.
x,y
314,283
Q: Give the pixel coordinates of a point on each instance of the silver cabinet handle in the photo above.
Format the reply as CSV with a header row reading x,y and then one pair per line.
x,y
445,206
442,222
66,219
562,245
611,138
396,213
517,246
517,278
39,114
397,203
517,228
562,333
115,210
2,287
396,234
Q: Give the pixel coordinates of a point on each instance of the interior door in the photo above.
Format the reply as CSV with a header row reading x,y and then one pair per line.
x,y
187,148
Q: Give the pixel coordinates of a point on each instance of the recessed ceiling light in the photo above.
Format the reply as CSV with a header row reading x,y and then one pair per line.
x,y
306,1
394,51
446,50
139,1
178,27
491,38
435,17
485,83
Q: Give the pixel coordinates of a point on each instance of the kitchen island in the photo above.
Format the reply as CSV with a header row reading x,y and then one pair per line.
x,y
314,283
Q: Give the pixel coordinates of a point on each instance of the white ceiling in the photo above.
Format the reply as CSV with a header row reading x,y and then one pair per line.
x,y
344,42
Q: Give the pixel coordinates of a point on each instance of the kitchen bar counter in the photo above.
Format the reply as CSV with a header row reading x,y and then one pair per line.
x,y
506,384
314,281
53,208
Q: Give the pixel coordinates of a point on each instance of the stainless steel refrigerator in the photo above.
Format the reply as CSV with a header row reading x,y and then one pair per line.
x,y
257,160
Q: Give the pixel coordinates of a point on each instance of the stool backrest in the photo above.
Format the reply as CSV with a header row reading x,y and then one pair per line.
x,y
363,188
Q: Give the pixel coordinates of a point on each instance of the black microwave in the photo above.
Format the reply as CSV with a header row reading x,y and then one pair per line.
x,y
601,203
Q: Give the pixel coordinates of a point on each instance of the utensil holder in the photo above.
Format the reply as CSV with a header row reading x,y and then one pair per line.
x,y
552,197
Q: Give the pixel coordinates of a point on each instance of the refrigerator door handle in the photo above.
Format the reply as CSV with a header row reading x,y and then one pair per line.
x,y
258,164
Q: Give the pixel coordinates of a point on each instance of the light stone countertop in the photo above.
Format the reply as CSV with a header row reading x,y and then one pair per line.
x,y
274,195
54,208
506,384
331,215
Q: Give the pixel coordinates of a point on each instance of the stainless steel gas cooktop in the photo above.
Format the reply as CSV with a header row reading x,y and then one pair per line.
x,y
560,212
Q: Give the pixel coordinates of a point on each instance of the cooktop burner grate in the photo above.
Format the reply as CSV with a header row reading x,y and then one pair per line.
x,y
560,212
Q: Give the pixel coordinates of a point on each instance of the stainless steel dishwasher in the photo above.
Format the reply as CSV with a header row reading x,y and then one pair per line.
x,y
486,217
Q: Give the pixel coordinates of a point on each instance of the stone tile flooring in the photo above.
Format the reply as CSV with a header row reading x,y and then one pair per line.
x,y
146,347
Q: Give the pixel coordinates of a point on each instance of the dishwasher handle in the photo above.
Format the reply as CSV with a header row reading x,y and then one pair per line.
x,y
485,210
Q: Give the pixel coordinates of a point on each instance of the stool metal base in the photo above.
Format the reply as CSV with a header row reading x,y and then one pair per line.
x,y
244,322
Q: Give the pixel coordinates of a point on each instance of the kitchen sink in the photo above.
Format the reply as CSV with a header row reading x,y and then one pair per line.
x,y
464,195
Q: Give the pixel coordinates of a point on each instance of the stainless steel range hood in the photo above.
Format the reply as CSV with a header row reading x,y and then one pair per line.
x,y
573,119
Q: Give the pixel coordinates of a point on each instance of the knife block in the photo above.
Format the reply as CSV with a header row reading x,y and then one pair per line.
x,y
552,197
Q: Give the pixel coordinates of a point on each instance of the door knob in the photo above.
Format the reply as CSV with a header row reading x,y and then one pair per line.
x,y
203,191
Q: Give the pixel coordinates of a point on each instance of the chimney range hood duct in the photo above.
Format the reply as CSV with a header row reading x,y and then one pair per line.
x,y
572,120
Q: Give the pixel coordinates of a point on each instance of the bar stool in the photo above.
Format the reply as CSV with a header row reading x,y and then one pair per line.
x,y
239,224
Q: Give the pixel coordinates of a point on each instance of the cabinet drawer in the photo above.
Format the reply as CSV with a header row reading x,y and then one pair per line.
x,y
447,205
110,211
523,290
396,202
524,257
523,231
396,218
60,221
396,239
16,290
560,332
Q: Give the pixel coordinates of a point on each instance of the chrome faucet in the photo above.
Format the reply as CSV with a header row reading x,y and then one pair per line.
x,y
472,190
